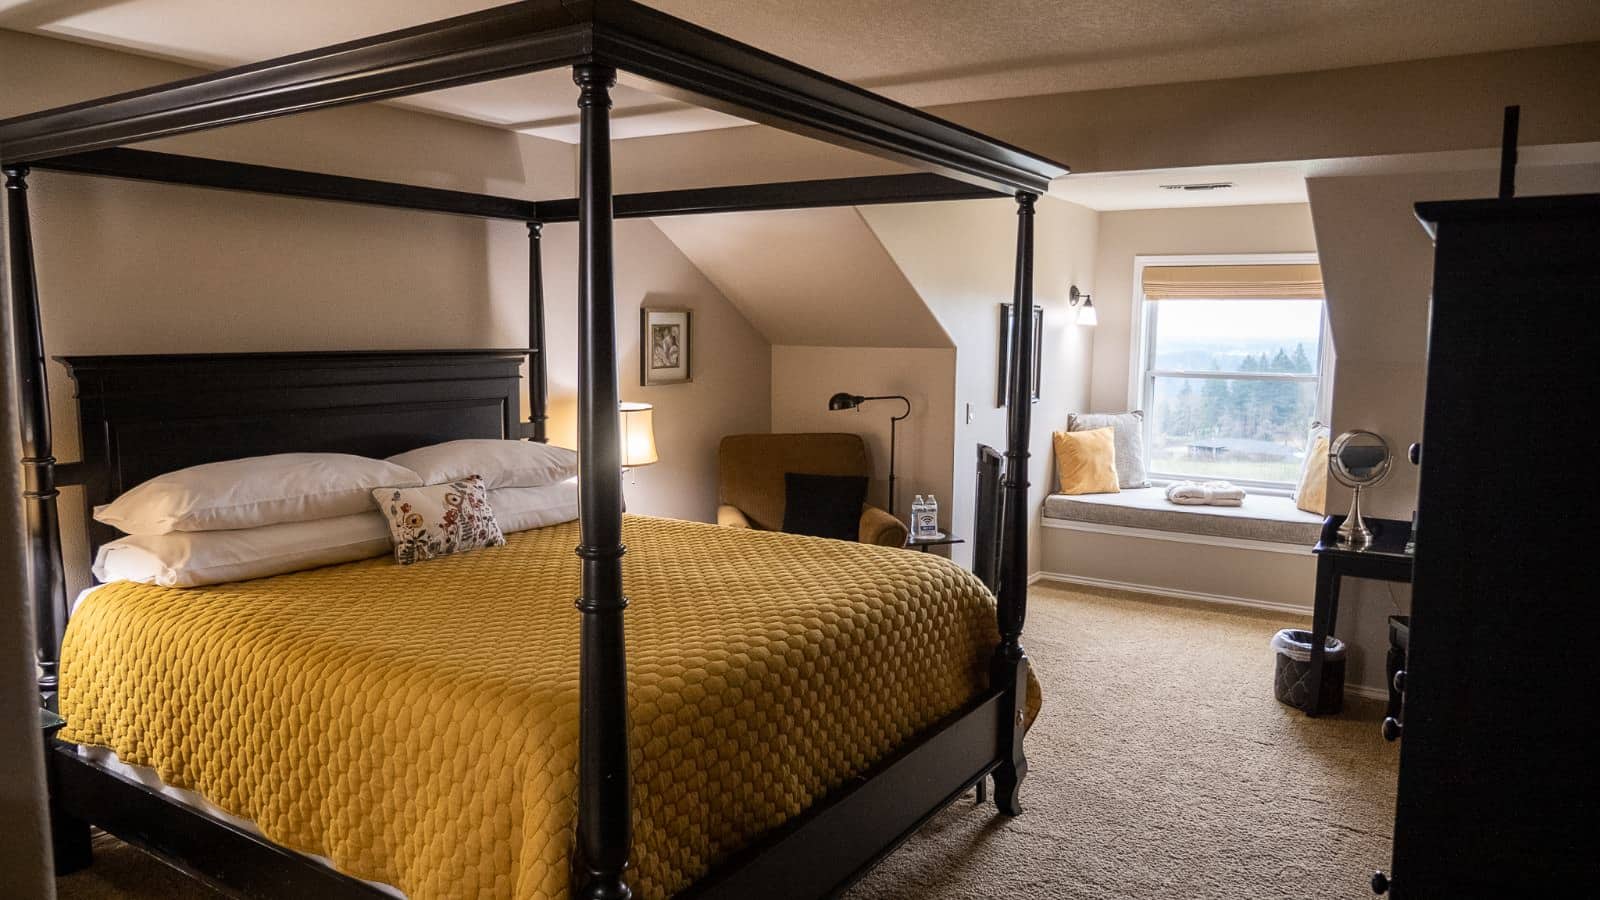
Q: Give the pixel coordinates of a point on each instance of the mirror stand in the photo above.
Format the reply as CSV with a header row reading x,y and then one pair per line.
x,y
1354,531
1358,459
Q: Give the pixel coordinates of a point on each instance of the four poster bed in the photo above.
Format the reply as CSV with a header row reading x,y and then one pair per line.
x,y
148,415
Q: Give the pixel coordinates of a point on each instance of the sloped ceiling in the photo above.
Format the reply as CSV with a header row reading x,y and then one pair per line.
x,y
814,277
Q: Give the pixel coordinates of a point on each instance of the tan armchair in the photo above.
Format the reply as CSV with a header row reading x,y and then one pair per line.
x,y
750,469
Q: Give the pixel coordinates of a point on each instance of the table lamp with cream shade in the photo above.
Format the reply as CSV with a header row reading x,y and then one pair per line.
x,y
637,426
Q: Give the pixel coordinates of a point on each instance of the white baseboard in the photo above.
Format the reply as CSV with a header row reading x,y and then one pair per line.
x,y
1375,692
1161,591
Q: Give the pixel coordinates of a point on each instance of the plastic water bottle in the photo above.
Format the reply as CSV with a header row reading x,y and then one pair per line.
x,y
928,519
916,516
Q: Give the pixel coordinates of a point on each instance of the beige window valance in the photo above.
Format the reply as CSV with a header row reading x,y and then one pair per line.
x,y
1268,282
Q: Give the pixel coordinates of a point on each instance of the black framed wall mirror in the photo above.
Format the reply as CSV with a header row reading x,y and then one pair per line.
x,y
1006,359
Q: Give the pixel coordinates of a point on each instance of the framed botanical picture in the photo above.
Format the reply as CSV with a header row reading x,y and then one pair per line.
x,y
666,342
1003,370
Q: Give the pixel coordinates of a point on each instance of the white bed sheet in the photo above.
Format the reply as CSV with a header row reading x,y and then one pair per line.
x,y
149,778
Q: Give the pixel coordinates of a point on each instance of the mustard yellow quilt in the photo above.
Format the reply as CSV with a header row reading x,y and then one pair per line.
x,y
417,725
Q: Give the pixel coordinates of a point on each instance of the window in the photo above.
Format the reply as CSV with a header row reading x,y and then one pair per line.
x,y
1230,386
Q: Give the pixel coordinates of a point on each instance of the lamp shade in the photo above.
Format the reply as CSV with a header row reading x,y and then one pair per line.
x,y
843,400
638,434
1086,314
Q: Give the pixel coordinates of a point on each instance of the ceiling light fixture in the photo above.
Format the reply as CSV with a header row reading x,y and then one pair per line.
x,y
1199,186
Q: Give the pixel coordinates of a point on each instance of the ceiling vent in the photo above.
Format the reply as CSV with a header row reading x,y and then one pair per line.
x,y
1201,186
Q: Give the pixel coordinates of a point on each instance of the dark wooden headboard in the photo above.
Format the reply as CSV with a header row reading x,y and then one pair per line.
x,y
142,416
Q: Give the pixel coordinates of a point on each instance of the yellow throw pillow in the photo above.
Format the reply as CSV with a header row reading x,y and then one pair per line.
x,y
1086,461
1313,493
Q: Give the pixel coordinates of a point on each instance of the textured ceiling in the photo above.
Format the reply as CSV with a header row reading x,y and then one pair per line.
x,y
1250,185
922,52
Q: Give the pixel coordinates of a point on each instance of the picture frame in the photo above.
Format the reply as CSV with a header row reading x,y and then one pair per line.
x,y
666,345
1006,361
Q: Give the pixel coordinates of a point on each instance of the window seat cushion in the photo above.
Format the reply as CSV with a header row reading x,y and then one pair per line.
x,y
1261,518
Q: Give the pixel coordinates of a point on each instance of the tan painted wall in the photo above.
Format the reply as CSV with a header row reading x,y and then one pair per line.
x,y
813,277
960,258
732,363
136,268
803,378
1378,267
1282,228
1451,103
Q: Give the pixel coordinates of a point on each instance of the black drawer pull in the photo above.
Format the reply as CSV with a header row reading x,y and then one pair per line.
x,y
1392,729
1380,883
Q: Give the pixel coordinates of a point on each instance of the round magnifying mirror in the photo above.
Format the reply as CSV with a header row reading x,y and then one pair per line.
x,y
1358,459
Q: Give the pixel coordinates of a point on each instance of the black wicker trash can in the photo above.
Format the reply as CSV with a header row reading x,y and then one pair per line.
x,y
1291,683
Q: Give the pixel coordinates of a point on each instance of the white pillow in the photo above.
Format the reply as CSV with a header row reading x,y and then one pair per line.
x,y
522,508
249,493
192,558
500,463
1127,440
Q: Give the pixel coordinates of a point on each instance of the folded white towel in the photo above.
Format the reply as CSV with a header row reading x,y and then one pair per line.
x,y
1201,501
1205,493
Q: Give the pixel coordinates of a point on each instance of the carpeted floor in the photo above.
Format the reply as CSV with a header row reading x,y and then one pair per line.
x,y
1161,767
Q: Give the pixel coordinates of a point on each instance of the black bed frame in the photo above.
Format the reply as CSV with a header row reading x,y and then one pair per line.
x,y
234,404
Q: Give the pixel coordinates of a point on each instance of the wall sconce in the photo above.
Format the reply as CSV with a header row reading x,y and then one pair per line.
x,y
1084,306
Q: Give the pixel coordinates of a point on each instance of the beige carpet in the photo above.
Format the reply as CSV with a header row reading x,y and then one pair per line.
x,y
1161,768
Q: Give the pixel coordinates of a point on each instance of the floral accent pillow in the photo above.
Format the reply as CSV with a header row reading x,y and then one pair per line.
x,y
440,519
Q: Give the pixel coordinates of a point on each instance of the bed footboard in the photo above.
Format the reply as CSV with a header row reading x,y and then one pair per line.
x,y
839,840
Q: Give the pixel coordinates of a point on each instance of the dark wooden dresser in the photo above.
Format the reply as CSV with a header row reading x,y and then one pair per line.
x,y
1498,756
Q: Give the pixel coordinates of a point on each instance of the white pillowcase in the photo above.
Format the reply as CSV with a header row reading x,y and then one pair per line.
x,y
192,558
522,508
500,463
252,492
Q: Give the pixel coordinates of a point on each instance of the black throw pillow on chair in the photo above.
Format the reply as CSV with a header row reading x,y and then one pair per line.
x,y
824,505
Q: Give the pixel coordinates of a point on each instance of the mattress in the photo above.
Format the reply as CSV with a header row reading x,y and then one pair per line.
x,y
416,725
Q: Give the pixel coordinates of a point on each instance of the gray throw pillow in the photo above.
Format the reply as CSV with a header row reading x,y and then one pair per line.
x,y
1127,434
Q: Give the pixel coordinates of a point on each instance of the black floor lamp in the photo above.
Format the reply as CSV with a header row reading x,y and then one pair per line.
x,y
843,400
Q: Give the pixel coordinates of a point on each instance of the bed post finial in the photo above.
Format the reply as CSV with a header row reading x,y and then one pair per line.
x,y
1009,671
605,813
47,583
538,366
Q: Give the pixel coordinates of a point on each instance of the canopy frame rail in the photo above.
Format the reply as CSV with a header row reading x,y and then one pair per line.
x,y
205,172
679,59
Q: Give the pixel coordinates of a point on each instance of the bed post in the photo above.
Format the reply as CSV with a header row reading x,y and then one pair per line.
x,y
1010,668
605,813
47,581
538,371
